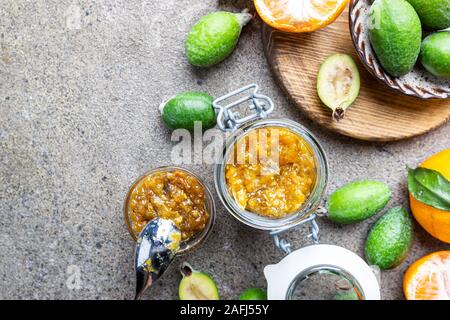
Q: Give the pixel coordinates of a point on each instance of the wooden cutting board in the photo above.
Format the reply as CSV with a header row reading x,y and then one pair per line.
x,y
379,113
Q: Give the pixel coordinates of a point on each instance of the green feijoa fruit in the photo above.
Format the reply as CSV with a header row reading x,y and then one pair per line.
x,y
357,201
346,295
395,33
196,285
338,83
214,37
390,239
435,54
253,294
434,14
183,110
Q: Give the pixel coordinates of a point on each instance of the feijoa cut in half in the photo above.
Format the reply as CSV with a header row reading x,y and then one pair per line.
x,y
338,83
196,285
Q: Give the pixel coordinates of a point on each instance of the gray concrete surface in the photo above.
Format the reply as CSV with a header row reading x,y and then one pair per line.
x,y
80,83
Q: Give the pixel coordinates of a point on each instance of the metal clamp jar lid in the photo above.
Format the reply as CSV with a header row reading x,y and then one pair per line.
x,y
288,276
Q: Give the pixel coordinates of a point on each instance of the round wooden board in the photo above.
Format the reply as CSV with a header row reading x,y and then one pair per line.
x,y
379,113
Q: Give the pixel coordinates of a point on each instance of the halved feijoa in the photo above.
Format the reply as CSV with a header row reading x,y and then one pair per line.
x,y
197,285
338,83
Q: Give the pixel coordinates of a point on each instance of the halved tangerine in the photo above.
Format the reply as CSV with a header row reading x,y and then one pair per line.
x,y
428,278
299,15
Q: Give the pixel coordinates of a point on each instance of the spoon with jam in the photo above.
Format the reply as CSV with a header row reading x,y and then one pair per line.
x,y
157,245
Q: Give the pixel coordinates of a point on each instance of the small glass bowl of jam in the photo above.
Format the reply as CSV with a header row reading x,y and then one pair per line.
x,y
175,194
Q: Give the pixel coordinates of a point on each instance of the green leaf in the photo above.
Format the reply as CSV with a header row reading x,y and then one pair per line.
x,y
429,187
434,182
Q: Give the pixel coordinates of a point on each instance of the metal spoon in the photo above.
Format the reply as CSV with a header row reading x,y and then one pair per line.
x,y
156,247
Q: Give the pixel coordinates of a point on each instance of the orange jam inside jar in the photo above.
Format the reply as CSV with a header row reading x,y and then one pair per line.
x,y
173,195
271,172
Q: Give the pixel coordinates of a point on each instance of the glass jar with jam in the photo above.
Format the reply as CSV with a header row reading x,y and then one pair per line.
x,y
174,194
272,176
273,172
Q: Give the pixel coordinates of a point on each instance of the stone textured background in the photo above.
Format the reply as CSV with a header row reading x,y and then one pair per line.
x,y
80,83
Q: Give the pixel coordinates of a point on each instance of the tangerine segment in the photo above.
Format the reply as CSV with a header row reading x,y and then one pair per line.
x,y
299,15
428,278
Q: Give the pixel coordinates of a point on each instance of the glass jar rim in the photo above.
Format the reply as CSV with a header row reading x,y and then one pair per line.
x,y
197,239
311,204
305,274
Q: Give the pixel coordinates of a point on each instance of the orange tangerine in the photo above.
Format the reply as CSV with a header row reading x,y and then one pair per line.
x,y
299,15
434,221
428,278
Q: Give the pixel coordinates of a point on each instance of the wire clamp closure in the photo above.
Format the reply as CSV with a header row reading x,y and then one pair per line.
x,y
229,120
285,246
